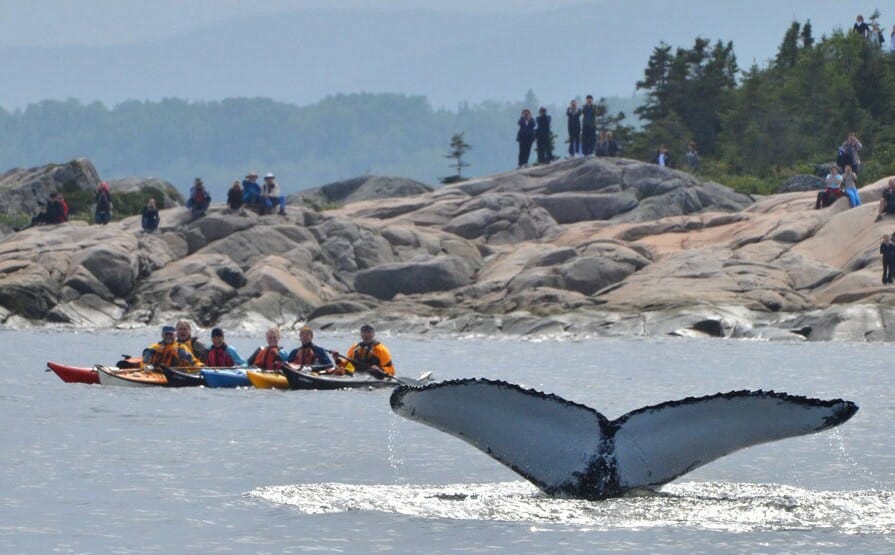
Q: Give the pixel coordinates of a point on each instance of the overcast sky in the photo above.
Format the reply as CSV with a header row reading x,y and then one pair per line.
x,y
300,51
55,22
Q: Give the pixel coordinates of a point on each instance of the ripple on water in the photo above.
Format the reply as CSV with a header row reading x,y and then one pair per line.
x,y
719,506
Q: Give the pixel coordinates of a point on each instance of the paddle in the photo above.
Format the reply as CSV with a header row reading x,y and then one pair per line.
x,y
366,366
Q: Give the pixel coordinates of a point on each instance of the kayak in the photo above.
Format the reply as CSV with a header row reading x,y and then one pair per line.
x,y
267,379
225,377
130,377
307,378
73,374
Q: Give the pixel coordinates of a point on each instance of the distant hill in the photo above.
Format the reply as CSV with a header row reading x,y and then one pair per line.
x,y
337,138
302,56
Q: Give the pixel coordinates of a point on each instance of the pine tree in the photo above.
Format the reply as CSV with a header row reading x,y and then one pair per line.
x,y
458,150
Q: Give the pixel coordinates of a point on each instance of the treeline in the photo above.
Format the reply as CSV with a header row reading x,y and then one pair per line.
x,y
759,127
339,137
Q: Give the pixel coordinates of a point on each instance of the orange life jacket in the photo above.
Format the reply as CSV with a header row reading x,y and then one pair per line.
x,y
267,358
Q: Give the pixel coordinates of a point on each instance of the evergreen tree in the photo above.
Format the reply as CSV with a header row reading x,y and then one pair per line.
x,y
459,147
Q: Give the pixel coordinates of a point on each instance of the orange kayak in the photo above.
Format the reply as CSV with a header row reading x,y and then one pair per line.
x,y
130,377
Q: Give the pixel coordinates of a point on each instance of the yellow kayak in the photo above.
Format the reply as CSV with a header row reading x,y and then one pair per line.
x,y
267,379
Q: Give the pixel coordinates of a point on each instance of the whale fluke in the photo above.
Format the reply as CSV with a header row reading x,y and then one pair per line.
x,y
568,449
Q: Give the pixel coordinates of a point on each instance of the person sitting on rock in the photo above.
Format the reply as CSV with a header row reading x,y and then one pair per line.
x,y
832,191
234,196
199,199
271,357
270,193
185,338
103,198
221,355
38,219
887,203
309,354
367,356
57,209
251,192
850,187
168,352
150,217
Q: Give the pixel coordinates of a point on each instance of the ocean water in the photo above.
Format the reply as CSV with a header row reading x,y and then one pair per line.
x,y
93,469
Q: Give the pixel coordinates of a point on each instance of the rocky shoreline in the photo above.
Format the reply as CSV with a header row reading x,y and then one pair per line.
x,y
581,248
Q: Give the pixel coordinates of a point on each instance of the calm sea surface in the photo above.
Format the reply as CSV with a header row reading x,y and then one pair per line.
x,y
93,469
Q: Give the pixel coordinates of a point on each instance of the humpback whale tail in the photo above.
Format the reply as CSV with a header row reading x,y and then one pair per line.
x,y
568,449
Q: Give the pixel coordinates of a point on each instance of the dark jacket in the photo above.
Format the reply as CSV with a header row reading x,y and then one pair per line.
x,y
543,130
589,115
526,130
574,120
150,218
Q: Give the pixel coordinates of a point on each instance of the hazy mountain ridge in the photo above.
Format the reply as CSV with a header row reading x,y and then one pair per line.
x,y
304,55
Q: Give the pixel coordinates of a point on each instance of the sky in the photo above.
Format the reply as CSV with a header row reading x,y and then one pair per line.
x,y
300,51
59,22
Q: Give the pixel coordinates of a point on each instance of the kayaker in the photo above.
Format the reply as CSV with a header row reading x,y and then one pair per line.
x,y
185,338
367,356
222,355
271,357
309,354
168,352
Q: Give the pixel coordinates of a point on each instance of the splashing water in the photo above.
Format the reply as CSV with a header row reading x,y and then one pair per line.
x,y
719,506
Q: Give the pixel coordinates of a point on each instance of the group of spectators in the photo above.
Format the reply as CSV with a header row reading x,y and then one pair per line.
x,y
262,198
873,33
581,123
842,179
179,348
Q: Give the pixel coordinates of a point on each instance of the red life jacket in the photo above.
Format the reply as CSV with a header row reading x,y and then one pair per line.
x,y
218,356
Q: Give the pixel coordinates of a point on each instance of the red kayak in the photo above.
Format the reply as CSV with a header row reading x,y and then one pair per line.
x,y
74,374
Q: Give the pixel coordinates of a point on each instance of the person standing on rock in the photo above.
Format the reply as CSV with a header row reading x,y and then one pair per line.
x,y
573,115
850,147
663,158
149,217
186,339
367,356
309,354
692,157
103,197
271,357
588,126
544,136
525,137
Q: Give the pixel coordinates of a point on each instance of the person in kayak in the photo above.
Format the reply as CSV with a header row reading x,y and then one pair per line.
x,y
271,357
222,355
186,339
309,354
367,356
169,352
